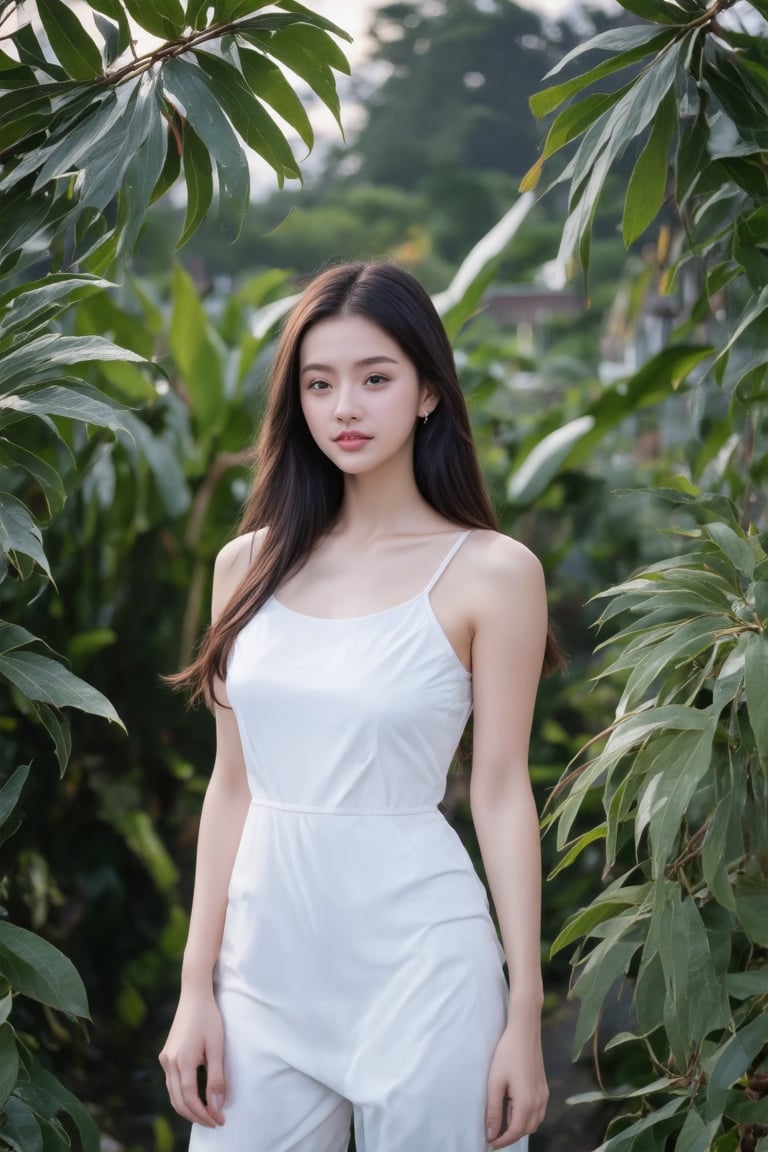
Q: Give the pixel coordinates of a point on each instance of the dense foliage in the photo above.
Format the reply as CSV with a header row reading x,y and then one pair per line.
x,y
682,777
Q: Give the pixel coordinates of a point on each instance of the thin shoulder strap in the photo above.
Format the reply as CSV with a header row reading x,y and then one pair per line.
x,y
447,559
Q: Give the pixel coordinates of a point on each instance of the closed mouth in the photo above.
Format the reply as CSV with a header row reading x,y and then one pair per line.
x,y
351,436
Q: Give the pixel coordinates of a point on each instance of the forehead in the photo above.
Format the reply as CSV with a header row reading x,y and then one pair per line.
x,y
346,339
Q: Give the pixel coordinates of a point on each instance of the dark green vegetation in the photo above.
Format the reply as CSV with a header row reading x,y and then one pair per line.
x,y
134,501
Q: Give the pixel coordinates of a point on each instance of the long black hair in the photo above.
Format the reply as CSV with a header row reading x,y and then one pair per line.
x,y
297,491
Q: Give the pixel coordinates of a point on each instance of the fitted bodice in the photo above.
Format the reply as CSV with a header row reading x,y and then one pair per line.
x,y
359,714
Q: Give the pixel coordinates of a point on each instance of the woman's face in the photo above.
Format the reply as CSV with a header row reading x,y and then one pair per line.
x,y
360,394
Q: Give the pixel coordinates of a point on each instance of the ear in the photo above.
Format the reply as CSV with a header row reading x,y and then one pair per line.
x,y
429,397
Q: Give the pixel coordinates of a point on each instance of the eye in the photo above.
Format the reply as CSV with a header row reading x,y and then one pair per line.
x,y
317,385
376,378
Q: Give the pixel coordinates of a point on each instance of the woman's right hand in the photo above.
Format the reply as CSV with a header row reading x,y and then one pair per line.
x,y
196,1039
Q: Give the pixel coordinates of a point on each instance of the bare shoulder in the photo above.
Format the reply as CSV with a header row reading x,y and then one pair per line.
x,y
232,563
502,567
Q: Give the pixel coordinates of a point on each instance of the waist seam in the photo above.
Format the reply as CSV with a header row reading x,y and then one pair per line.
x,y
313,810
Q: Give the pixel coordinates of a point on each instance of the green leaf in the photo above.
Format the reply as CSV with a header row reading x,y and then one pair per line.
x,y
42,679
627,1136
50,482
41,357
63,1101
199,180
569,124
734,545
745,985
546,101
751,896
115,11
682,766
190,85
648,182
9,795
713,858
752,312
69,40
163,18
546,460
76,402
606,962
658,11
9,1062
20,1129
38,970
140,181
248,116
267,81
756,685
57,726
103,170
19,532
695,1135
463,295
196,354
729,1062
310,53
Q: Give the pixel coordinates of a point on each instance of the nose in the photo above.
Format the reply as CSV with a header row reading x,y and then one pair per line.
x,y
347,404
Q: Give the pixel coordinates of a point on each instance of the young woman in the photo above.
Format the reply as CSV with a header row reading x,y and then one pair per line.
x,y
342,964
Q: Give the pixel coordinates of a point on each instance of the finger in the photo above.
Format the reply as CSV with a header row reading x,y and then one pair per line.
x,y
495,1115
176,1094
216,1084
190,1096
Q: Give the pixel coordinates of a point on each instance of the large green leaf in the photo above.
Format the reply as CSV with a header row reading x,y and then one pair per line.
x,y
9,1062
544,462
10,792
248,115
652,41
51,484
199,181
267,81
189,84
19,532
685,762
163,18
732,1060
20,1129
606,962
197,355
103,170
61,1099
69,40
756,686
41,678
648,182
29,305
310,53
76,401
463,295
38,970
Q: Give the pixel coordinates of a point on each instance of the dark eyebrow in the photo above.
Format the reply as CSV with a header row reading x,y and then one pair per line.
x,y
357,364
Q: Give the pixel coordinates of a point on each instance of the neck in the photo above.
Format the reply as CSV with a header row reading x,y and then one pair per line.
x,y
383,503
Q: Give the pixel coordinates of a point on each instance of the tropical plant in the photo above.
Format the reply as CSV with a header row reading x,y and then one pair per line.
x,y
72,206
682,771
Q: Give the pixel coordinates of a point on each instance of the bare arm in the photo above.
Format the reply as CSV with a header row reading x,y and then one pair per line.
x,y
196,1037
507,653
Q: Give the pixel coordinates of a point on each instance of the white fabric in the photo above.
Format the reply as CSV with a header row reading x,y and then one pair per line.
x,y
360,975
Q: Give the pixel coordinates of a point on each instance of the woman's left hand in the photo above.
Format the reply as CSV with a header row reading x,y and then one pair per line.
x,y
517,1088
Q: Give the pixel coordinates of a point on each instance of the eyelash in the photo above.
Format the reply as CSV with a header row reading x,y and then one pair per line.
x,y
377,376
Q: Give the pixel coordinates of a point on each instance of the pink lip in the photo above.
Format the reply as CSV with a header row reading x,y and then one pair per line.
x,y
352,443
351,438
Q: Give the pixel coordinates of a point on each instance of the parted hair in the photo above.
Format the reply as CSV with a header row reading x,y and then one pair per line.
x,y
297,490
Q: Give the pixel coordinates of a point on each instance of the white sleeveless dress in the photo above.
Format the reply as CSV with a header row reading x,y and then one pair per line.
x,y
360,974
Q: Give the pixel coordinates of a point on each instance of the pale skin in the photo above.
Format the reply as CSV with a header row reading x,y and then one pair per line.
x,y
491,604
